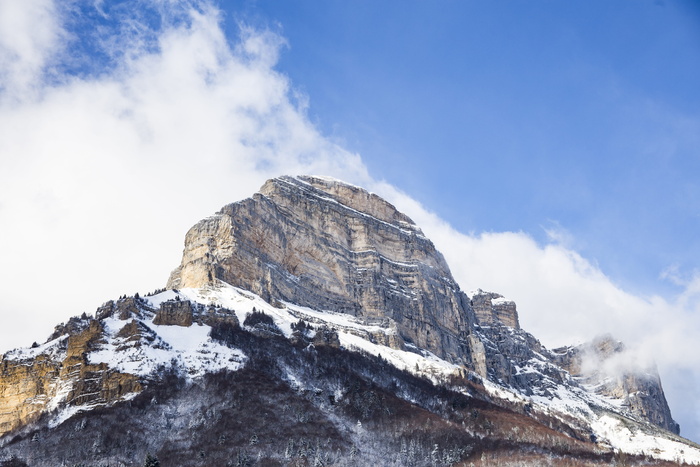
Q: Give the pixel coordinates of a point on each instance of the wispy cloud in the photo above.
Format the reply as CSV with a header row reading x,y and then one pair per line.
x,y
30,36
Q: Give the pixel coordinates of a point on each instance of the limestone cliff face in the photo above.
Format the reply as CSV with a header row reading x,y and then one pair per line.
x,y
25,389
58,372
600,365
331,246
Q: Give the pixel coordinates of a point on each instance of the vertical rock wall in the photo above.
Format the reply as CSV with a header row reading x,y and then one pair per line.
x,y
332,246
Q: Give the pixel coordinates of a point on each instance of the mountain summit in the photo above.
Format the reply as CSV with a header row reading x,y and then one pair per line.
x,y
315,324
327,245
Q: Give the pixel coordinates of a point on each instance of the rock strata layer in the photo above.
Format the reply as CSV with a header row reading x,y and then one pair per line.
x,y
36,383
491,308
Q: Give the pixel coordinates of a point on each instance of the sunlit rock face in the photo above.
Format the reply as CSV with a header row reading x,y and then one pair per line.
x,y
604,366
59,373
328,245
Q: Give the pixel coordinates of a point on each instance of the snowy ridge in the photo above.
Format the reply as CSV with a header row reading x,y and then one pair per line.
x,y
502,301
608,421
353,333
51,349
605,416
609,427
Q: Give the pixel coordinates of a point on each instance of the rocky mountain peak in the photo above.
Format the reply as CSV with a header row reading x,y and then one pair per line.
x,y
606,367
328,245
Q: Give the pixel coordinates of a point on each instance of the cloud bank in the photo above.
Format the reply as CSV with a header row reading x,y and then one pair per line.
x,y
106,165
103,173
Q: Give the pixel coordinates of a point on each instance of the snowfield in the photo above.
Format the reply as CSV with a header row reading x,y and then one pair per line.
x,y
190,349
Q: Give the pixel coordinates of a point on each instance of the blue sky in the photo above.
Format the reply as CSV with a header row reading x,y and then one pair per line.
x,y
532,116
551,150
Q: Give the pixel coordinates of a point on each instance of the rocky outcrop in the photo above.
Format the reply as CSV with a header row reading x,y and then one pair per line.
x,y
603,365
58,373
135,333
124,308
508,355
511,356
515,358
331,246
174,313
491,308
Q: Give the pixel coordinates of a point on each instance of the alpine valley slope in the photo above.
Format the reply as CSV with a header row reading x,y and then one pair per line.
x,y
314,324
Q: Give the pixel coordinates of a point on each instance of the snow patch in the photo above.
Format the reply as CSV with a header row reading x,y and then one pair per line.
x,y
631,438
189,348
50,348
501,301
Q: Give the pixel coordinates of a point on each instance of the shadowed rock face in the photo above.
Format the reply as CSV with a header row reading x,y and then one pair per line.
x,y
332,246
176,313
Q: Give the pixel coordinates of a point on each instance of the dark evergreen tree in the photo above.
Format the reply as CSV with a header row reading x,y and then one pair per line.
x,y
151,461
300,326
14,461
258,317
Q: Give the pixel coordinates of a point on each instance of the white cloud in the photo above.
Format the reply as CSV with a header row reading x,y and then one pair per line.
x,y
101,177
29,34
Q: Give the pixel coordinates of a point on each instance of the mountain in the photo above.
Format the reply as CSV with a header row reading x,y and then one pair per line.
x,y
314,324
331,246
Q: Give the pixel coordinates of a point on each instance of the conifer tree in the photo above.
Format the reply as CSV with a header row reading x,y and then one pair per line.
x,y
151,461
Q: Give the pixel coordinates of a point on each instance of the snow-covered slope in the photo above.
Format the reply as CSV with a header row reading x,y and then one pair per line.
x,y
192,352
